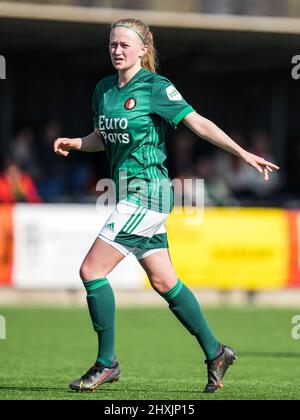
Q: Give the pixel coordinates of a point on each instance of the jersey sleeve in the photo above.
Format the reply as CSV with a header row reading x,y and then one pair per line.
x,y
168,103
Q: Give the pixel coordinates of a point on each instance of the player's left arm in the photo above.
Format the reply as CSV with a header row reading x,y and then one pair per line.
x,y
209,131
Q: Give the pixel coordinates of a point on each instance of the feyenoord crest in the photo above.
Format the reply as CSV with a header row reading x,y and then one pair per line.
x,y
130,104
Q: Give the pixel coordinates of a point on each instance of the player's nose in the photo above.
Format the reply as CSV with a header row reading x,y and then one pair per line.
x,y
118,50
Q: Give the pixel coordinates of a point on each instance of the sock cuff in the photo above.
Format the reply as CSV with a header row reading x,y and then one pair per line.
x,y
170,294
91,285
106,362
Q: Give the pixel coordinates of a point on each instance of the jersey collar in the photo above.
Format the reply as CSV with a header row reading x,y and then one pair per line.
x,y
135,77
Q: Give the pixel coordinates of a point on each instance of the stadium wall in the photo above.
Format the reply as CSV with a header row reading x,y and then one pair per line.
x,y
42,246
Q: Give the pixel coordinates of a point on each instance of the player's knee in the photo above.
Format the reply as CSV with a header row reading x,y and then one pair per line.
x,y
162,284
84,272
89,272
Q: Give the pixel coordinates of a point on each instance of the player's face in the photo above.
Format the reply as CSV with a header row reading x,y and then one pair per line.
x,y
125,48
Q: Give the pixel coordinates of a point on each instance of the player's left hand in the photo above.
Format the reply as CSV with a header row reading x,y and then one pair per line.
x,y
260,164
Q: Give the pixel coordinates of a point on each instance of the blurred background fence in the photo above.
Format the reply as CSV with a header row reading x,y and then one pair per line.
x,y
289,8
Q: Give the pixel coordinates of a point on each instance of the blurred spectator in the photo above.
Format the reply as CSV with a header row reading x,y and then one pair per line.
x,y
54,176
227,179
234,172
216,191
241,178
82,180
183,144
50,132
23,151
62,180
17,186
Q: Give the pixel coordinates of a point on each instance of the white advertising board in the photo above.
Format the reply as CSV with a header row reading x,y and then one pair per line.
x,y
51,242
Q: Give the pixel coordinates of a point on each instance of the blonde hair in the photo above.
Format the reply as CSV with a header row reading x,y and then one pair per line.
x,y
149,60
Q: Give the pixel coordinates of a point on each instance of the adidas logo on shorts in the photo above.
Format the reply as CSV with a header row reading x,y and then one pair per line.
x,y
111,226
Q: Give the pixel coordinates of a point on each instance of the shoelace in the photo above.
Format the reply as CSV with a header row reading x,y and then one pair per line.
x,y
92,371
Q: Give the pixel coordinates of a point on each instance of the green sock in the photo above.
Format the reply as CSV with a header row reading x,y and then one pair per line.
x,y
101,303
186,308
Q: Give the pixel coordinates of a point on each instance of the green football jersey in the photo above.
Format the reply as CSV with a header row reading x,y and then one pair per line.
x,y
132,121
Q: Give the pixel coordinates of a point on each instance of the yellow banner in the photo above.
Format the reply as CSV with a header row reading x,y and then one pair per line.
x,y
231,249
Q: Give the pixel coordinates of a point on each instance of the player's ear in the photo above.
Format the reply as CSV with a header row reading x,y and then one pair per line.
x,y
144,50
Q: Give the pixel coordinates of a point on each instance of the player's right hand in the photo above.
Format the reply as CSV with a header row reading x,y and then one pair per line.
x,y
62,146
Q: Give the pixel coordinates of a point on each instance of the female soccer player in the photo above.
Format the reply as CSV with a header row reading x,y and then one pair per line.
x,y
131,112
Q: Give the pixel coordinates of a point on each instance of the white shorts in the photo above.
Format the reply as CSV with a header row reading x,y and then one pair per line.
x,y
136,229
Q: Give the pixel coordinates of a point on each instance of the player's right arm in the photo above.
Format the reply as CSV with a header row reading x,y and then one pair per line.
x,y
91,143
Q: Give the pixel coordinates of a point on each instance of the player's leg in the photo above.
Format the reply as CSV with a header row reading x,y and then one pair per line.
x,y
101,259
182,301
186,308
111,246
99,262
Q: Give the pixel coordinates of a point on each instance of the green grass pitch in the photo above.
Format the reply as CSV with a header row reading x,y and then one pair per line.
x,y
45,349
